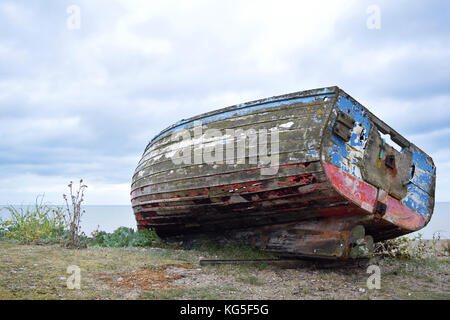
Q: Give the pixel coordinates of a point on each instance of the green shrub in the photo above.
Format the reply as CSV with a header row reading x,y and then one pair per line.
x,y
124,237
40,222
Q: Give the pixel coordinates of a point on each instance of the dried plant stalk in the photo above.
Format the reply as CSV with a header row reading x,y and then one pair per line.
x,y
74,214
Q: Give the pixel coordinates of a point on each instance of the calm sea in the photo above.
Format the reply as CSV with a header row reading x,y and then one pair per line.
x,y
109,218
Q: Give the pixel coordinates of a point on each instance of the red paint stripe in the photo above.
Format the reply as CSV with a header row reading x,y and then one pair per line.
x,y
402,216
365,195
356,190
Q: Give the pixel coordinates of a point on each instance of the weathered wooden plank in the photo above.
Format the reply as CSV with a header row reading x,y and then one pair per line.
x,y
165,170
229,178
285,105
225,217
234,153
235,179
216,196
257,200
303,125
205,196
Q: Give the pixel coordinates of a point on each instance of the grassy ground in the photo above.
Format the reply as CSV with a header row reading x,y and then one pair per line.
x,y
39,272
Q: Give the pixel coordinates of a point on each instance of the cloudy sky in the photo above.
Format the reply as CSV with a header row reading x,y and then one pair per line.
x,y
80,98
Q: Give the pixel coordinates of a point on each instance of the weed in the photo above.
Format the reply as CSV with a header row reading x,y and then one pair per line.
x,y
73,215
124,237
43,223
402,248
250,279
435,242
38,223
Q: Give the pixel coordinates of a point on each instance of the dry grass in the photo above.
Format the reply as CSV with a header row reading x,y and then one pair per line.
x,y
39,272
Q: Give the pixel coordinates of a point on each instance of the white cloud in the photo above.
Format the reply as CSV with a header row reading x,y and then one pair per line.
x,y
34,130
17,14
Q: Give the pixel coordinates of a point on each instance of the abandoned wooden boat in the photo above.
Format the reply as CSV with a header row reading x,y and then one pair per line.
x,y
308,174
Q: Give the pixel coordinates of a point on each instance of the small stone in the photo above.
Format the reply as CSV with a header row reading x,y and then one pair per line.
x,y
63,278
32,287
120,279
362,290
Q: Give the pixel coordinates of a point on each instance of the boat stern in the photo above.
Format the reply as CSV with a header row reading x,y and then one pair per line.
x,y
377,169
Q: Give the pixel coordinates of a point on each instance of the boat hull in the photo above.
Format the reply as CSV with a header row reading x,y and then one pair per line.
x,y
315,190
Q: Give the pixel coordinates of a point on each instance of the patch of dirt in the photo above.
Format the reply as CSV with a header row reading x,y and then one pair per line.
x,y
276,283
146,279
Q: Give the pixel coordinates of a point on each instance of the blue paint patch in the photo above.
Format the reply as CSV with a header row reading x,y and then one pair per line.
x,y
243,109
424,172
338,153
311,151
422,179
317,120
418,197
420,160
356,111
417,200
